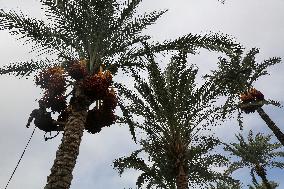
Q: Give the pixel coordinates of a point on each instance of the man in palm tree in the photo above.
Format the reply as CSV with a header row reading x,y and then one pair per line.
x,y
43,119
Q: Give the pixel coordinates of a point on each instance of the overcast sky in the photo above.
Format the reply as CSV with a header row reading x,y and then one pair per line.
x,y
253,23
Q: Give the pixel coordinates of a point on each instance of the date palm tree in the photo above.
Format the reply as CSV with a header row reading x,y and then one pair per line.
x,y
84,35
235,77
258,154
174,111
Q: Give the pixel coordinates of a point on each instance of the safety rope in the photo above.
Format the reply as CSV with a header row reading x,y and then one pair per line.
x,y
51,137
20,158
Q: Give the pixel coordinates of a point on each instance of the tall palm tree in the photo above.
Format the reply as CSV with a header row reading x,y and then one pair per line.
x,y
174,112
235,77
84,35
258,154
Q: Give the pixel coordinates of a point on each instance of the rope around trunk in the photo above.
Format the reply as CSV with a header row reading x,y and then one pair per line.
x,y
20,158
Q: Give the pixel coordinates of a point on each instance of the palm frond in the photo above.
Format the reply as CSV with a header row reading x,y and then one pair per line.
x,y
24,69
149,175
130,162
127,116
191,42
45,37
233,167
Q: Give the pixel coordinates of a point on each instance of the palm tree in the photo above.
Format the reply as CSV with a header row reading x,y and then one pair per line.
x,y
174,111
84,35
235,77
257,153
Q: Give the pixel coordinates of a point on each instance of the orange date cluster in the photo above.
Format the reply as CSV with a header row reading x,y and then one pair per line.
x,y
78,70
94,86
54,82
249,98
102,116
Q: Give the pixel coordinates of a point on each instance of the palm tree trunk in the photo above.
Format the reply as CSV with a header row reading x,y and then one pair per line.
x,y
277,132
266,183
68,151
262,174
182,179
66,155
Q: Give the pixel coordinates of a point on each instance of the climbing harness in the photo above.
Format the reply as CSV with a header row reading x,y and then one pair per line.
x,y
50,137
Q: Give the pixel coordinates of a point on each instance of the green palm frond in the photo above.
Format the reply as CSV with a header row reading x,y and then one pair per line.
x,y
138,107
31,29
130,162
180,82
262,68
127,118
157,83
276,164
128,11
190,43
149,176
149,96
174,72
151,179
23,69
234,166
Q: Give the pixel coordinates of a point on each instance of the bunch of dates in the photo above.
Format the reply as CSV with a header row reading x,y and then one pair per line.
x,y
53,81
249,100
96,87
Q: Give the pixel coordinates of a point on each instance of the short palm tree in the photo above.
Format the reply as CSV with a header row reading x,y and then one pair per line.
x,y
235,77
174,111
84,35
258,154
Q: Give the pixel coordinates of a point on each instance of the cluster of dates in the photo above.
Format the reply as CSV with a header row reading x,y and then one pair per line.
x,y
54,82
102,114
94,86
249,99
